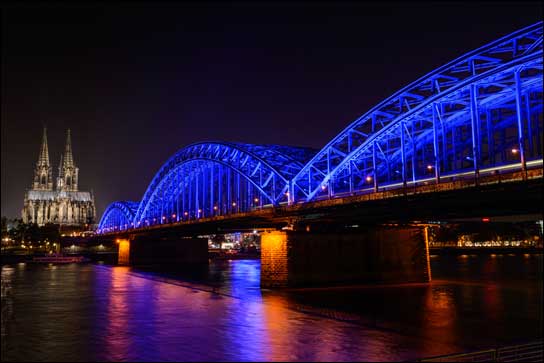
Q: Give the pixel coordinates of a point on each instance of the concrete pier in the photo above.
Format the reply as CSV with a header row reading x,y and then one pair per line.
x,y
380,255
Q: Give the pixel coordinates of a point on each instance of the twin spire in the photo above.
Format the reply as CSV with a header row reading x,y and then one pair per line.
x,y
68,172
66,159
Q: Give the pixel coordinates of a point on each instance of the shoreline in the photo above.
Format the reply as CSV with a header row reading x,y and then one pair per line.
x,y
484,250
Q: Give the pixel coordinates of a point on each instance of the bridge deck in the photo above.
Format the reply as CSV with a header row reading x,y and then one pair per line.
x,y
491,195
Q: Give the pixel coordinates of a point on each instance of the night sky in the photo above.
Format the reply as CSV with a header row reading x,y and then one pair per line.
x,y
136,82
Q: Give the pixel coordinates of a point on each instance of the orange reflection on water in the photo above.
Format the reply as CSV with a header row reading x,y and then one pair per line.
x,y
441,308
278,333
440,318
491,302
117,342
299,332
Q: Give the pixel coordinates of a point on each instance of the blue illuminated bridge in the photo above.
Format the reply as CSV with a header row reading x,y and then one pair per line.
x,y
477,116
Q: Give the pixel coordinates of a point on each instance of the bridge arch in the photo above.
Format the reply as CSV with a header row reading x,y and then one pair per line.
x,y
481,111
216,178
118,216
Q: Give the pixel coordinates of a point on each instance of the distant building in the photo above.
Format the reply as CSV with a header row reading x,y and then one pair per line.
x,y
65,204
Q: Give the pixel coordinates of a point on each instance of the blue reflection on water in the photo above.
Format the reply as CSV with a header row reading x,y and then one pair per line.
x,y
95,312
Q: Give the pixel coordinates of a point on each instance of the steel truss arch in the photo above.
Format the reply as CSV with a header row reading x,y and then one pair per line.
x,y
201,172
481,113
473,129
508,55
118,216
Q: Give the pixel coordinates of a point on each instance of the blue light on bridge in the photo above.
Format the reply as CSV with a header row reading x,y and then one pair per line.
x,y
479,114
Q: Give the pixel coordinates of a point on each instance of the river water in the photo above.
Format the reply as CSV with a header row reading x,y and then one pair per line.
x,y
89,312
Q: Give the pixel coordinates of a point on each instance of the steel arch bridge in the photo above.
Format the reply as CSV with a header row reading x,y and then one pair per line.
x,y
463,116
481,113
119,216
215,178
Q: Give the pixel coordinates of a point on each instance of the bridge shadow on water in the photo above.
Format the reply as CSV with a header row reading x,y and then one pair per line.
x,y
234,278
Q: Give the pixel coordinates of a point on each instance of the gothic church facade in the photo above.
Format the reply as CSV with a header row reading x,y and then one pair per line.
x,y
61,202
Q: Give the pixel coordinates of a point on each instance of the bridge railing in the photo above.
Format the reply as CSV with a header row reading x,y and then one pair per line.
x,y
449,182
531,352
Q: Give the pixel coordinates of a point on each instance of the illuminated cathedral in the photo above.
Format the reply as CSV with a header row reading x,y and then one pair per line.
x,y
61,202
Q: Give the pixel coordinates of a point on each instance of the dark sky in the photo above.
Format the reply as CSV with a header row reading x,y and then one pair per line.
x,y
136,82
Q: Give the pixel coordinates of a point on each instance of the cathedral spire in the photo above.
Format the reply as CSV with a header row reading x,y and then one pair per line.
x,y
68,158
43,159
68,172
43,173
60,178
61,169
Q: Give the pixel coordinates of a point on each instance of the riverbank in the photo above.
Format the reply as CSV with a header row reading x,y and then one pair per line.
x,y
484,250
214,255
109,258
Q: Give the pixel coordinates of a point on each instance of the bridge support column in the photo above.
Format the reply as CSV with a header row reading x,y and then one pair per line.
x,y
163,251
124,252
384,255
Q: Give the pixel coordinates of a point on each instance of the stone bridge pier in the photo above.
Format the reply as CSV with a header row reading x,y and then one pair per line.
x,y
377,255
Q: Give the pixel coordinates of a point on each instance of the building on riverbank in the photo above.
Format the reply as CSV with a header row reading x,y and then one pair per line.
x,y
63,204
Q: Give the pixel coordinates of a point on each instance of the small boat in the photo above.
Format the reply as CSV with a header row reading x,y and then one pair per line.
x,y
60,259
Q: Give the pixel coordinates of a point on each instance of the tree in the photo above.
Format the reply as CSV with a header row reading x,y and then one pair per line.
x,y
49,232
4,228
32,233
18,232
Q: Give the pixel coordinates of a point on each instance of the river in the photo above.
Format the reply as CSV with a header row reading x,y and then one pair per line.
x,y
97,312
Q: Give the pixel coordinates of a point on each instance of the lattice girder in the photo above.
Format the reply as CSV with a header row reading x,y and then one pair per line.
x,y
118,216
316,179
266,170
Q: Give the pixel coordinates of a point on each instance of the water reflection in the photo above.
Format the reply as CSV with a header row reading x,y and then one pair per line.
x,y
116,342
7,303
96,312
